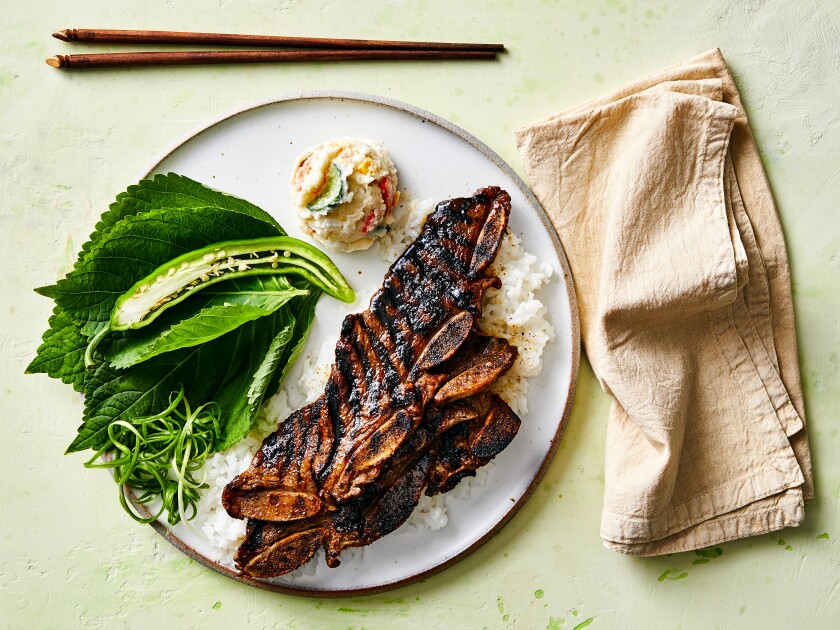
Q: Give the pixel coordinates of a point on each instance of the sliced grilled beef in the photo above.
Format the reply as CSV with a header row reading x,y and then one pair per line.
x,y
479,364
330,450
349,467
436,462
469,445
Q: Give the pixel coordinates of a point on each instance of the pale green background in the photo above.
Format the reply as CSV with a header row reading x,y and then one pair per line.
x,y
71,141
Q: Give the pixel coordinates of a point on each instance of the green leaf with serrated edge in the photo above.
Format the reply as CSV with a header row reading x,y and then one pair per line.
x,y
172,191
149,224
241,400
136,247
62,353
112,394
270,363
208,315
204,370
304,310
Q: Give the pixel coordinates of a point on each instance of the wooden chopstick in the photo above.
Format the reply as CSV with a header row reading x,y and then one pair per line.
x,y
255,56
111,36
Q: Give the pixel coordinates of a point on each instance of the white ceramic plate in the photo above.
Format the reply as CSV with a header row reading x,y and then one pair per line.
x,y
250,154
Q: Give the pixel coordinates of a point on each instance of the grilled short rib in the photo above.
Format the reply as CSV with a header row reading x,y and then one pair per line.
x,y
404,408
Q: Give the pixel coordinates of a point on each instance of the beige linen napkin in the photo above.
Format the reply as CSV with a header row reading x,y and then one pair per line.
x,y
660,200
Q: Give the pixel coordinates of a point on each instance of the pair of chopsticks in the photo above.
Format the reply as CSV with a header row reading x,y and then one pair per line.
x,y
309,49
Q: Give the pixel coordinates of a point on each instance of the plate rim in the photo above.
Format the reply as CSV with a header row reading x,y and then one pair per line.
x,y
485,150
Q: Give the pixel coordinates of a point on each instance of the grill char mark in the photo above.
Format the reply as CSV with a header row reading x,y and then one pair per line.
x,y
368,414
436,458
469,445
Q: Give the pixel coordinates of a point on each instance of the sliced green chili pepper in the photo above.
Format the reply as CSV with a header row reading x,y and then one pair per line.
x,y
181,277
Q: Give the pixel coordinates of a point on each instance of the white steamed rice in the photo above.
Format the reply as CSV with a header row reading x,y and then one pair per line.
x,y
513,311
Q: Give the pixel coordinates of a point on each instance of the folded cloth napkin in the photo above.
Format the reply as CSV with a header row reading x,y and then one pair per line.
x,y
660,200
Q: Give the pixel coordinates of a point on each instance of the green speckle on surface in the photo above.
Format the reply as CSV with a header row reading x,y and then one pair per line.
x,y
217,605
672,575
741,610
710,553
500,605
344,609
823,536
781,543
789,548
701,561
554,623
539,593
584,623
574,612
598,77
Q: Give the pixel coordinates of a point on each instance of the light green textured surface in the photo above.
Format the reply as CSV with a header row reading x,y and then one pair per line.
x,y
71,141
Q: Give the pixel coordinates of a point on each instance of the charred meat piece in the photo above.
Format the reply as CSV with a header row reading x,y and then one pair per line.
x,y
480,363
327,452
271,549
372,518
469,445
350,467
286,488
485,426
